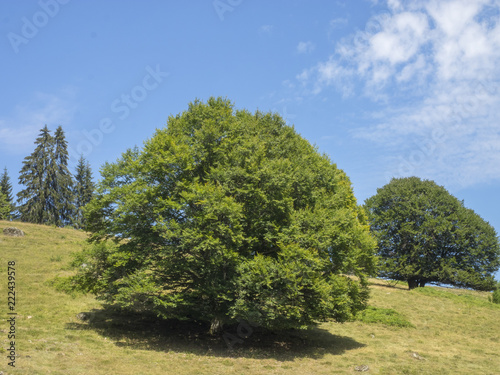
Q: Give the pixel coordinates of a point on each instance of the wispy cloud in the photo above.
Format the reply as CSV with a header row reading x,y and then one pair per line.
x,y
305,47
19,130
266,29
429,64
338,23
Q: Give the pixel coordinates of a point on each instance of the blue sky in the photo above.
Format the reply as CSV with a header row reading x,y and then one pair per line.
x,y
385,88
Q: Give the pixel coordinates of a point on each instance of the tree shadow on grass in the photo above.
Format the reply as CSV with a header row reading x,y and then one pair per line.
x,y
143,332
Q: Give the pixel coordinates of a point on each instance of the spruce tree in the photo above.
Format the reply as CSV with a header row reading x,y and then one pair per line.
x,y
61,181
48,196
5,185
6,190
4,207
36,201
83,190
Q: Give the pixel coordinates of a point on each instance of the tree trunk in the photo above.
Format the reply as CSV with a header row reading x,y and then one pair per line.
x,y
215,326
412,283
415,283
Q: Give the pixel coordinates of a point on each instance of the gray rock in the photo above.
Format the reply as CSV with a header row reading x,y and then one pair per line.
x,y
361,368
13,232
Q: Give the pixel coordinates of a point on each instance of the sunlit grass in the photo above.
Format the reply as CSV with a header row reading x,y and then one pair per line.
x,y
454,331
459,296
389,317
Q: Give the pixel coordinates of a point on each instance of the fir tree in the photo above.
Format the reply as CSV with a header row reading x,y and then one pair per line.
x,y
6,190
4,207
5,185
48,196
61,181
84,190
36,201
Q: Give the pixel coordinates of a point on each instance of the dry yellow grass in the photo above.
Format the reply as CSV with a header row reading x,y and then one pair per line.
x,y
456,331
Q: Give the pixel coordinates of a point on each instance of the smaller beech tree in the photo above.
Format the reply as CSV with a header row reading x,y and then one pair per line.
x,y
427,235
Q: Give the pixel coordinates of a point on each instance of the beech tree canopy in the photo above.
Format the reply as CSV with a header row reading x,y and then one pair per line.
x,y
226,215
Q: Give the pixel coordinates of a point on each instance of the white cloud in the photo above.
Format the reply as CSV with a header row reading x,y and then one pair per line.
x,y
394,4
401,38
19,131
453,17
429,64
305,47
464,46
325,74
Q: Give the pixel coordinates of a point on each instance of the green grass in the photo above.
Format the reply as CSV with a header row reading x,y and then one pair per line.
x,y
460,297
389,317
454,331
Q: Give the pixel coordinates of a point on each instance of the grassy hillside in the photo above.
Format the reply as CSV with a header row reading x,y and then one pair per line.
x,y
425,331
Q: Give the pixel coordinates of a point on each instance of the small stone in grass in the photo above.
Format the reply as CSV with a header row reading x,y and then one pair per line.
x,y
417,356
361,368
84,316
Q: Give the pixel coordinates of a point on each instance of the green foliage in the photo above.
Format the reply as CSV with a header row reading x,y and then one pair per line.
x,y
61,181
83,190
495,296
389,317
291,291
426,235
35,204
95,267
4,207
6,185
47,198
226,214
63,284
6,190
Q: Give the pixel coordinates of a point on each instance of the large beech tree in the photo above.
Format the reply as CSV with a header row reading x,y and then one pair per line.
x,y
227,215
427,235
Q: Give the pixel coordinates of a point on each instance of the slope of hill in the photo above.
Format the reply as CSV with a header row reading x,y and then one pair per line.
x,y
425,331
